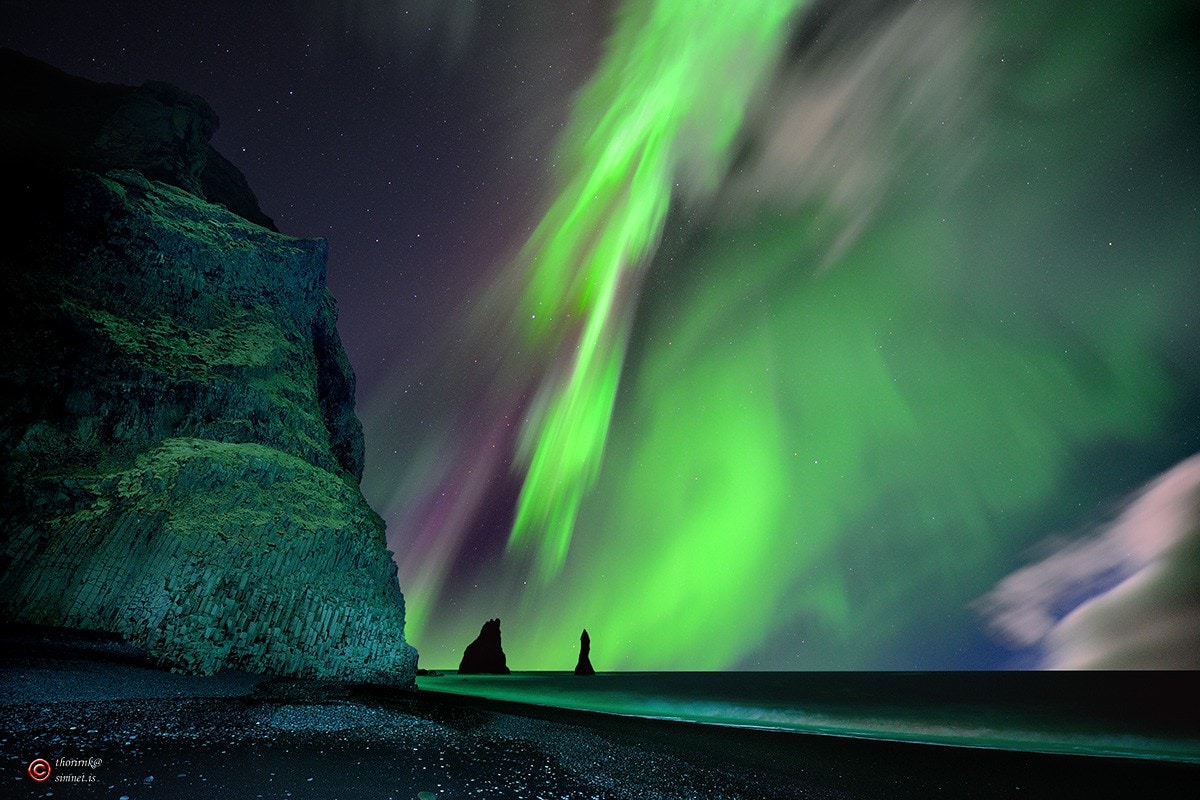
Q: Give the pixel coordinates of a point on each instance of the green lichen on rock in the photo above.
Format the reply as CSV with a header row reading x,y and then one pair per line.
x,y
215,555
180,454
169,316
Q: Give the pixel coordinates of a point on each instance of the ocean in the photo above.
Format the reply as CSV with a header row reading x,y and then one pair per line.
x,y
1142,715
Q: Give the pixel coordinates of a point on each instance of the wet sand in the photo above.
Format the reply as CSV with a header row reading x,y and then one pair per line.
x,y
117,728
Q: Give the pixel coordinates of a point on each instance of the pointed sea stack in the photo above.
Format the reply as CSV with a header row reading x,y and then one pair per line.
x,y
485,656
584,667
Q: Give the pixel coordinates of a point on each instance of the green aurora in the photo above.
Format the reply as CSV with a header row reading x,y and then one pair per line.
x,y
667,101
840,385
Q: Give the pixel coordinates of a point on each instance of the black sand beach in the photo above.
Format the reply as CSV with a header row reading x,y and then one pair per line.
x,y
112,727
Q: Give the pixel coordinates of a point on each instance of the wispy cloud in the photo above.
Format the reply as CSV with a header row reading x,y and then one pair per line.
x,y
1068,605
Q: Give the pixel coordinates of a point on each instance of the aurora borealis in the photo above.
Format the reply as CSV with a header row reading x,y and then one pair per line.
x,y
762,335
667,101
854,394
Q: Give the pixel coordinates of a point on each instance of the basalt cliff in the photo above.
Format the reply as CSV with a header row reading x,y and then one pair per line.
x,y
179,453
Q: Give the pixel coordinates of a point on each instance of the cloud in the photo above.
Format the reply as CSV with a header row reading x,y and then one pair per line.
x,y
1148,619
844,120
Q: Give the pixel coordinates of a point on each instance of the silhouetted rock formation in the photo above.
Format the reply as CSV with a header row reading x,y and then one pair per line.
x,y
485,655
179,454
56,120
584,667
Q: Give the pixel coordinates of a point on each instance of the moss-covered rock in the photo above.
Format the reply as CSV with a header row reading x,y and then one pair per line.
x,y
179,453
213,555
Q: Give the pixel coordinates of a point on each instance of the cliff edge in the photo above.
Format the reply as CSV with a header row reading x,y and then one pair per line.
x,y
179,453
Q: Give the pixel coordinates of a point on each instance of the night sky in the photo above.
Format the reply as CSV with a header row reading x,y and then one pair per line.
x,y
787,335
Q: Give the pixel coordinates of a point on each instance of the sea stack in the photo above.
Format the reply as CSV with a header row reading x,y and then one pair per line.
x,y
485,656
584,667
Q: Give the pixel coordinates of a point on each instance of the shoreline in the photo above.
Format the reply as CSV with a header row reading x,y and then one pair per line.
x,y
73,697
158,734
1145,715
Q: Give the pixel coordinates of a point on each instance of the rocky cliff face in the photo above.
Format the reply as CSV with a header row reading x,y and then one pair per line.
x,y
179,454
